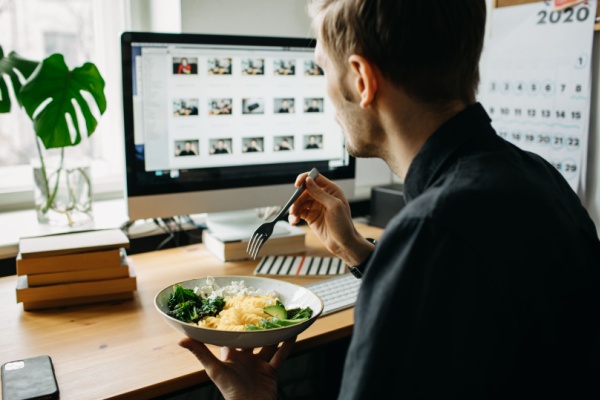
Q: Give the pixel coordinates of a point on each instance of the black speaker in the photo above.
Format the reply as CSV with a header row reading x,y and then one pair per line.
x,y
386,201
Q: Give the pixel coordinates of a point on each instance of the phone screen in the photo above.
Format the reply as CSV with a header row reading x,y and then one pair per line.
x,y
29,378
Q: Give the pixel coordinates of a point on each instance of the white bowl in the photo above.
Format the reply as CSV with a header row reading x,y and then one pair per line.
x,y
291,295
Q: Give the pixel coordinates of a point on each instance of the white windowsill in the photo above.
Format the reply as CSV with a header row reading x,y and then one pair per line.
x,y
107,214
17,186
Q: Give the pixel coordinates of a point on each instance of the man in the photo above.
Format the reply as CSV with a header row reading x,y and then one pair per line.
x,y
225,106
486,284
312,143
311,68
285,107
291,67
253,148
188,149
284,145
221,148
313,107
184,67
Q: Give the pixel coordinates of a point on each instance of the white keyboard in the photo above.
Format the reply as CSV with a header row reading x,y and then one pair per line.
x,y
337,293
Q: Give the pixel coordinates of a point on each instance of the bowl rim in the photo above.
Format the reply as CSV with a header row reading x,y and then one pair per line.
x,y
313,317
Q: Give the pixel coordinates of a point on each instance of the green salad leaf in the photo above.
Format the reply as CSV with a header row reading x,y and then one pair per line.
x,y
294,316
187,306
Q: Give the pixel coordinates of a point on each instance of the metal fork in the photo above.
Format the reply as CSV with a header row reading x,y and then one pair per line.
x,y
264,231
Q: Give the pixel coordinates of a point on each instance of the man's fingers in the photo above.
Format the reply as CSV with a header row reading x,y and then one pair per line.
x,y
299,179
282,353
226,353
293,219
316,192
202,353
298,209
267,352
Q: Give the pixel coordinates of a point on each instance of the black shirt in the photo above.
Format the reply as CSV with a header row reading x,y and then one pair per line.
x,y
485,285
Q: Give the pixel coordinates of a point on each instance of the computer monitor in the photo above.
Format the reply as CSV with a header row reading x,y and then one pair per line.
x,y
219,123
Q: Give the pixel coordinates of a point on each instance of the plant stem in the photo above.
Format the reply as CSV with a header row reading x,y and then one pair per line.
x,y
88,184
56,184
44,175
50,197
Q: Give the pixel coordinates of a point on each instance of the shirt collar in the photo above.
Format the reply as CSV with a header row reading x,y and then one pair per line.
x,y
441,145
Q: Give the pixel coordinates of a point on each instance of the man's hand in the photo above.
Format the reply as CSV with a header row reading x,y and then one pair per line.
x,y
242,374
325,208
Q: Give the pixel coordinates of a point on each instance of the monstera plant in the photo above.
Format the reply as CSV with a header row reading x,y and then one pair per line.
x,y
48,91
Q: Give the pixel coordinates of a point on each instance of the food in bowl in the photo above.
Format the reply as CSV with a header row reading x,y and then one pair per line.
x,y
233,307
290,294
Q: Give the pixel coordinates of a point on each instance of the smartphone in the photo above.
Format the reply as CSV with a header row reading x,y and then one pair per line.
x,y
29,378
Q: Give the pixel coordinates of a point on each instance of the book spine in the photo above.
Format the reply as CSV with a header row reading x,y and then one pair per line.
x,y
213,245
73,262
235,251
77,276
43,304
72,243
72,290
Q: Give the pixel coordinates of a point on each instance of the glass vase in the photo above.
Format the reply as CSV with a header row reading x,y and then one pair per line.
x,y
63,190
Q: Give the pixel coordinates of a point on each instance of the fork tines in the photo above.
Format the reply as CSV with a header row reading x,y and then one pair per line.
x,y
254,245
264,231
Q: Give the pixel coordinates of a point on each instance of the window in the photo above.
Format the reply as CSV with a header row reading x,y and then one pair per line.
x,y
82,31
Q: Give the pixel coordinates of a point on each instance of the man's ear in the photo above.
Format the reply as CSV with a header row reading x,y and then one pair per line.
x,y
365,78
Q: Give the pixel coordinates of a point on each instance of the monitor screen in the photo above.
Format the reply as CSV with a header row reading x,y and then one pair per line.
x,y
217,123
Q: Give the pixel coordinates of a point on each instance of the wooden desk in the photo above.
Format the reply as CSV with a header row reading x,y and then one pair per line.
x,y
125,350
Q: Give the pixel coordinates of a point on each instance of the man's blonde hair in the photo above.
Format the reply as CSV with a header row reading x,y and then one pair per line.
x,y
430,48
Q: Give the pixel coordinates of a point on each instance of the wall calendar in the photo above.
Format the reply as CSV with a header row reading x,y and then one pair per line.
x,y
536,82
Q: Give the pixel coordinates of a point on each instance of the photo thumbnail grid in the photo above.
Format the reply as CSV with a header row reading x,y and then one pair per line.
x,y
249,144
250,67
248,105
281,66
221,108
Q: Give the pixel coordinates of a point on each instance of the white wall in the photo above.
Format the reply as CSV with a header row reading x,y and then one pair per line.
x,y
243,17
289,18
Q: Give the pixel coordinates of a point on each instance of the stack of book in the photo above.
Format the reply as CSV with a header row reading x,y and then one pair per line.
x,y
286,239
74,268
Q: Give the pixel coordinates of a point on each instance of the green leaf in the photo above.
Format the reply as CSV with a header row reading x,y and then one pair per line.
x,y
7,67
53,80
250,327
